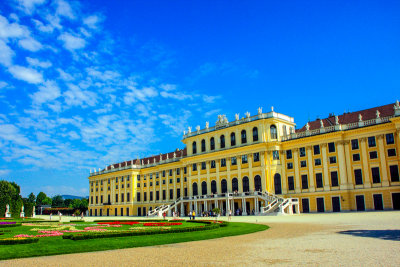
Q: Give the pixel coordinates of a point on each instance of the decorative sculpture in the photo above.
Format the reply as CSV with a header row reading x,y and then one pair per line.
x,y
174,155
378,114
359,117
307,126
337,120
198,128
189,129
247,114
207,124
22,214
222,121
322,123
237,116
272,108
8,214
34,212
259,110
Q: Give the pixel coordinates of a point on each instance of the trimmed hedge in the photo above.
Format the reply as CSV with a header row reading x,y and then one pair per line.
x,y
77,221
130,220
9,225
16,241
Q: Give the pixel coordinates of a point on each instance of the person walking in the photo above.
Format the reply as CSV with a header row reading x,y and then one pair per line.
x,y
194,215
190,215
164,215
230,215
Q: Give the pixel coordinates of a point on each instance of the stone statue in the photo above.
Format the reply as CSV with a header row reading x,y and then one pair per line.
x,y
307,126
174,155
397,105
222,121
189,129
259,110
272,108
167,156
198,128
226,120
184,132
8,214
359,117
34,212
247,114
237,116
322,123
378,114
207,124
22,214
337,120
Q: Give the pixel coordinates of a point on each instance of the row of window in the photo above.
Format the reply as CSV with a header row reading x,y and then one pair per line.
x,y
256,158
128,199
157,195
178,180
163,173
109,180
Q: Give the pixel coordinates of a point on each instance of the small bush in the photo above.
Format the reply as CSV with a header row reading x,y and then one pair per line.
x,y
16,241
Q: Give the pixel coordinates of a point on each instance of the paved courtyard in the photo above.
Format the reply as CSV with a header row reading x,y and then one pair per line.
x,y
346,239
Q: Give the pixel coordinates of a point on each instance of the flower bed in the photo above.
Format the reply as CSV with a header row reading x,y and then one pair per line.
x,y
162,224
117,223
3,223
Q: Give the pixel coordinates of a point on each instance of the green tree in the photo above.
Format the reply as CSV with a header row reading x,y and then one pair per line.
x,y
84,204
68,203
40,198
76,203
9,194
57,201
32,198
47,201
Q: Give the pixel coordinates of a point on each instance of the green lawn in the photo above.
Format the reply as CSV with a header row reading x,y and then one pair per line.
x,y
57,245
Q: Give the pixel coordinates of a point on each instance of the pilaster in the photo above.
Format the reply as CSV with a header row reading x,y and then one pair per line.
x,y
382,157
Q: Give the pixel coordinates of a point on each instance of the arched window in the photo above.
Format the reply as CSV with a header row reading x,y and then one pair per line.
x,y
277,183
194,148
224,186
246,187
235,185
257,183
222,141
212,143
213,187
233,139
244,137
195,192
204,188
274,133
255,134
203,145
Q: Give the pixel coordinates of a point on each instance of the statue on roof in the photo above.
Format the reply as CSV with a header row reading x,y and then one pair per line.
x,y
397,105
198,128
359,117
237,116
307,126
378,114
259,110
247,114
189,129
272,108
207,124
222,121
322,123
174,155
337,120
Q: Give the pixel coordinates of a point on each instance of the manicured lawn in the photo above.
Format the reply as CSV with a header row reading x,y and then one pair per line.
x,y
57,245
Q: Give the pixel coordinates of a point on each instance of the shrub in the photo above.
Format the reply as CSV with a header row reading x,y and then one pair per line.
x,y
19,240
9,225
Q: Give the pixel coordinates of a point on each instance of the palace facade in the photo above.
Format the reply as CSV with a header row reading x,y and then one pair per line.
x,y
258,164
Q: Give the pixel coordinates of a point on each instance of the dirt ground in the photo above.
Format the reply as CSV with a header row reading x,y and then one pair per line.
x,y
346,239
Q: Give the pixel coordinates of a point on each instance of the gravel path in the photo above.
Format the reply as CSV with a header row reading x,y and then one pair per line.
x,y
346,239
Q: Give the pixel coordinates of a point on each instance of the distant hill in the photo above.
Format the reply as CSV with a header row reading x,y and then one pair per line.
x,y
71,197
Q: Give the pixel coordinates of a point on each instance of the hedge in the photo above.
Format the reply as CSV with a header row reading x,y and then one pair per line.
x,y
77,221
130,220
9,225
15,241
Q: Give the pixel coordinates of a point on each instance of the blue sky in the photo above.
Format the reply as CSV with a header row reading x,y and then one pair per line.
x,y
85,84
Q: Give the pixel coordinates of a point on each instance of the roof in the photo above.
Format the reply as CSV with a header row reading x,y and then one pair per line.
x,y
351,117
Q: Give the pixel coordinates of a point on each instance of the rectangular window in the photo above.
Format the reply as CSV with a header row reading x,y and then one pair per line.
x,y
391,152
170,172
97,200
151,196
91,200
184,179
185,192
302,151
157,175
316,150
373,155
116,197
233,161
151,176
244,159
303,163
116,186
122,186
256,157
203,165
304,181
138,177
223,162
194,167
356,157
144,177
163,173
171,194
178,193
122,197
288,154
151,183
291,183
184,170
389,139
128,197
354,144
334,179
371,141
163,181
157,195
170,181
144,184
331,147
138,184
394,173
275,154
138,196
122,179
157,183
145,196
376,177
164,195
178,180
318,179
317,162
358,176
290,165
127,178
332,160
178,171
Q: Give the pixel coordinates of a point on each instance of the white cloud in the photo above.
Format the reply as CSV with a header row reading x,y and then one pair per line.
x,y
210,99
4,172
47,92
65,76
76,96
11,30
64,9
168,87
9,132
3,84
14,17
6,54
30,44
211,112
37,63
176,122
177,96
26,74
41,27
28,6
72,42
139,95
92,21
107,75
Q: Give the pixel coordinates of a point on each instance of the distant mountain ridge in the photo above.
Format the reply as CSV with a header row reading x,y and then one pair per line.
x,y
72,197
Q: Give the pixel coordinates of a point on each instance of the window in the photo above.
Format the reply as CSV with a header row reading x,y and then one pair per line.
x,y
138,196
164,195
394,173
331,147
255,134
354,144
304,181
194,148
332,160
151,176
273,131
288,154
184,179
213,164
358,176
138,177
116,180
178,180
185,192
275,154
376,178
334,179
144,177
178,171
389,139
223,162
302,151
145,196
204,188
171,193
163,181
371,141
101,182
184,170
144,184
290,165
244,159
256,157
291,183
178,193
122,178
244,137
316,150
233,161
122,186
170,181
222,141
128,185
203,145
157,175
194,167
151,183
203,165
97,200
116,187
157,183
233,139
391,152
373,155
116,198
151,196
163,173
303,163
212,143
194,188
170,172
127,178
122,197
319,180
317,162
91,200
356,157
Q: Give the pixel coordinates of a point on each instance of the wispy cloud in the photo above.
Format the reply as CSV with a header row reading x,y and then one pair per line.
x,y
72,42
26,74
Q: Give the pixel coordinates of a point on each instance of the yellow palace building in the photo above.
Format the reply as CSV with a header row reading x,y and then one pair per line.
x,y
261,164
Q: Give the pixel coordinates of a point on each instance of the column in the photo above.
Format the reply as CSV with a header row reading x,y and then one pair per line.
x,y
240,184
283,170
342,165
296,170
263,176
182,209
325,164
255,205
208,166
268,176
217,164
310,169
364,158
382,157
227,206
228,174
350,184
